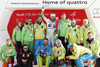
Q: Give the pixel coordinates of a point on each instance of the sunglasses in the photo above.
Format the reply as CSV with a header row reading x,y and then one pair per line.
x,y
39,19
72,22
25,48
29,21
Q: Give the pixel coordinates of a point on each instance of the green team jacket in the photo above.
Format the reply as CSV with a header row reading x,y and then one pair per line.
x,y
17,34
40,30
79,51
27,33
62,27
8,50
72,34
84,32
93,46
58,52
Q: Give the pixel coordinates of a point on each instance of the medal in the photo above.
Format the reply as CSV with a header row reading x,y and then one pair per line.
x,y
31,35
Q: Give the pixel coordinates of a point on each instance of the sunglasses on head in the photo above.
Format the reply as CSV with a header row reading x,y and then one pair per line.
x,y
25,48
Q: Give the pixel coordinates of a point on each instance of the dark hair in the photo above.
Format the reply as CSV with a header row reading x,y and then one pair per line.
x,y
39,16
29,18
8,39
72,19
25,45
46,39
98,62
89,32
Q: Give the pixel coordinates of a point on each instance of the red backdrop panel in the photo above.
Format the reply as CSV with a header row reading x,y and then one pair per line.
x,y
78,14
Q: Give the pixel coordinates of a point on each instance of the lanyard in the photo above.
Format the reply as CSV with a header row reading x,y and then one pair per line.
x,y
30,29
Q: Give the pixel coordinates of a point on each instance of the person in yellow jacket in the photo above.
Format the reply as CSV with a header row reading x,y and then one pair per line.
x,y
72,33
79,53
28,34
92,44
58,55
39,29
84,29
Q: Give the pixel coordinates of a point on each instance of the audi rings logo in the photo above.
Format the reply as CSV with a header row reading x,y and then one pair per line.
x,y
96,11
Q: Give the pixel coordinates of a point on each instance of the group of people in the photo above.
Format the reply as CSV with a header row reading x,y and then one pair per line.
x,y
54,43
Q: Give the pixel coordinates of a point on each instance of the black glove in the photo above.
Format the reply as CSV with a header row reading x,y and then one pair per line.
x,y
42,55
82,44
55,60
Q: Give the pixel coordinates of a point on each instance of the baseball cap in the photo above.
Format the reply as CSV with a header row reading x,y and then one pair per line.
x,y
69,46
53,14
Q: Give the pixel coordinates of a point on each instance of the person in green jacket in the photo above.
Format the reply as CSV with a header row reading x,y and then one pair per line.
x,y
7,53
63,25
84,29
79,53
72,33
92,44
39,29
58,55
28,34
17,35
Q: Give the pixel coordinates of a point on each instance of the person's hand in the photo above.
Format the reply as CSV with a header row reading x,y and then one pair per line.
x,y
96,56
15,42
45,55
4,55
57,18
67,57
43,8
23,60
4,62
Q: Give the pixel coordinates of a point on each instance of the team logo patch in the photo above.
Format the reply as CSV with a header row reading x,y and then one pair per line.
x,y
27,28
83,30
54,51
17,29
60,23
37,26
5,50
69,30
